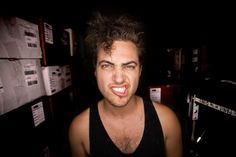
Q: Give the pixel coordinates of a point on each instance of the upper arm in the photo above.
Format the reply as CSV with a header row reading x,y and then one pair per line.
x,y
172,131
78,135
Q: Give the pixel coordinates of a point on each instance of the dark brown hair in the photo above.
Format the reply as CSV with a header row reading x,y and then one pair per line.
x,y
103,30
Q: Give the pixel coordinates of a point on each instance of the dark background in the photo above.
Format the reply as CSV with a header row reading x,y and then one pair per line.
x,y
169,25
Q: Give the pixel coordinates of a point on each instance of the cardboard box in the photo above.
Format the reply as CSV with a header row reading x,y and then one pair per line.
x,y
19,38
53,79
20,82
66,76
56,78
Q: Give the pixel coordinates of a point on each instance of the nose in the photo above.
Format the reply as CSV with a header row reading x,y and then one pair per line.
x,y
118,75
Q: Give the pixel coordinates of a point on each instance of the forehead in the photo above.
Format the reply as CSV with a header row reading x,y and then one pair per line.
x,y
121,50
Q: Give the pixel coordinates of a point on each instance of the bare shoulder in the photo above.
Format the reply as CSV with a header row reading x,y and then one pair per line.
x,y
79,133
165,112
80,121
172,130
168,118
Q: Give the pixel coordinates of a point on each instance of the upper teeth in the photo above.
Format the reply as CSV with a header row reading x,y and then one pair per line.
x,y
119,89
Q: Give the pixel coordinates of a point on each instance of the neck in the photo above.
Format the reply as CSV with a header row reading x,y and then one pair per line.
x,y
121,112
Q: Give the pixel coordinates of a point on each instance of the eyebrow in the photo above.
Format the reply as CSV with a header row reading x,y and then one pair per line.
x,y
130,62
124,64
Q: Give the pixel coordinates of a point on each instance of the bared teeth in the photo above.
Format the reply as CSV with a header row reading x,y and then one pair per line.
x,y
120,90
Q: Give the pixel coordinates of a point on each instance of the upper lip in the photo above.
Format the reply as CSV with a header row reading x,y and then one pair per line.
x,y
118,86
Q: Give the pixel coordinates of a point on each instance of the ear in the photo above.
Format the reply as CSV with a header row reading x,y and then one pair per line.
x,y
95,73
140,72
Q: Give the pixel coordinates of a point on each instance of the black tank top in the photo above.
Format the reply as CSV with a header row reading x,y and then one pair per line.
x,y
151,144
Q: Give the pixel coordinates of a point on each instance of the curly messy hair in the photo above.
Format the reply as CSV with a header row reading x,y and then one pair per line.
x,y
102,31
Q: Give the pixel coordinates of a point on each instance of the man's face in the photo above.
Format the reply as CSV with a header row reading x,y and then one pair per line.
x,y
118,72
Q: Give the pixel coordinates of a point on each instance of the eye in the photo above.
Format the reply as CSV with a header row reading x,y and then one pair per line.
x,y
130,67
106,66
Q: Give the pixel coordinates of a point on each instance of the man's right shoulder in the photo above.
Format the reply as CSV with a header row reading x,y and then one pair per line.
x,y
82,118
79,132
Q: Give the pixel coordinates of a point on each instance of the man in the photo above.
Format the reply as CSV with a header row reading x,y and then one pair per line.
x,y
122,123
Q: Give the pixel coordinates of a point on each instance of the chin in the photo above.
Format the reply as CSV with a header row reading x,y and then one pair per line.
x,y
120,101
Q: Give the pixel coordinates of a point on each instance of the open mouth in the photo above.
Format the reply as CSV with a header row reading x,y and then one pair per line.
x,y
119,91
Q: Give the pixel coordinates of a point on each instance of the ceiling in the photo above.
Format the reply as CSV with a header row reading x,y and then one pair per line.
x,y
167,24
170,25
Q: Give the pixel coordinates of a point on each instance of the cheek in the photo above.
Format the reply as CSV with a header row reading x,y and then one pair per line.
x,y
136,79
101,78
133,78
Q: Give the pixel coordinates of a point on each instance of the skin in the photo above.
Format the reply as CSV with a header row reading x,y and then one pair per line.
x,y
121,111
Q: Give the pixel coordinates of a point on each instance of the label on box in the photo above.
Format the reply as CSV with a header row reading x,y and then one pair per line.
x,y
31,38
38,113
30,73
48,33
1,86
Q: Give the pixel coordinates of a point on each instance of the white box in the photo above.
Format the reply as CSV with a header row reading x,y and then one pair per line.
x,y
73,41
155,94
21,82
19,38
53,79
